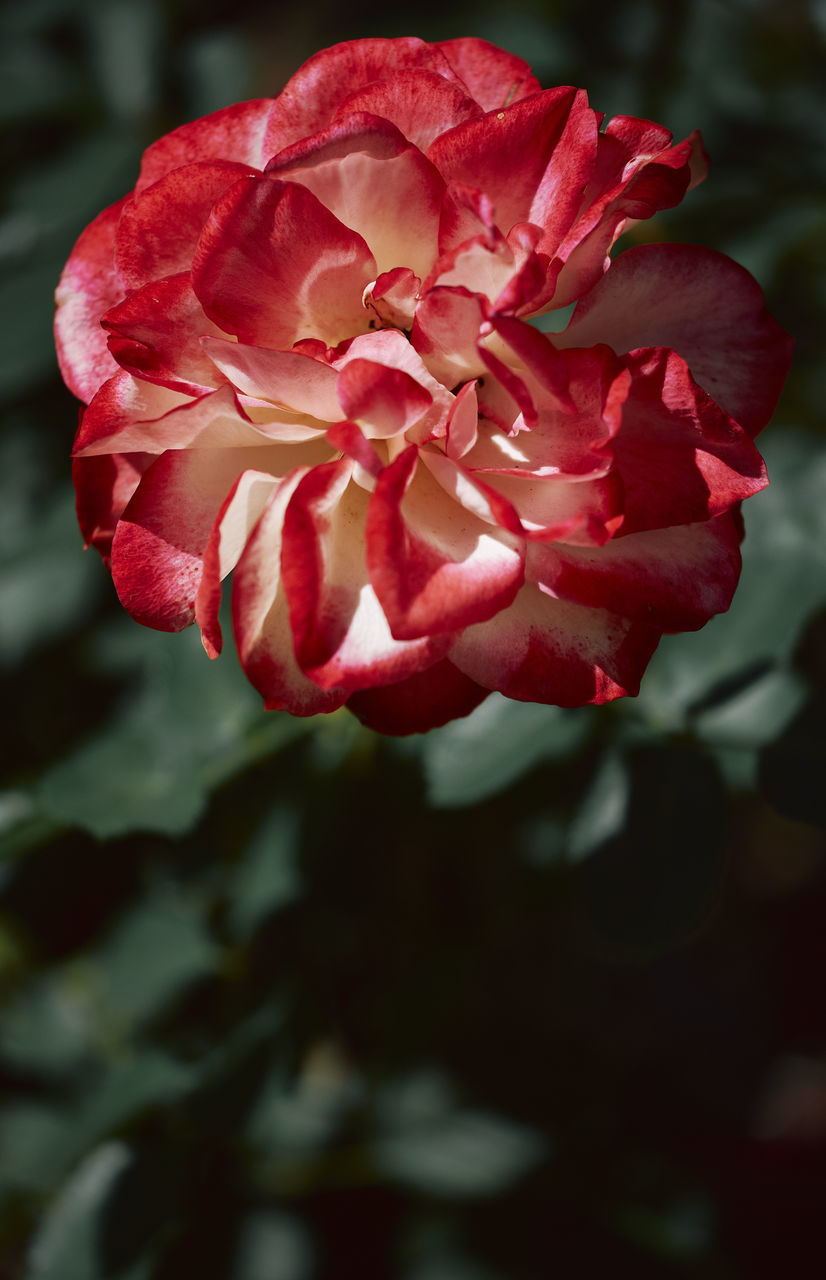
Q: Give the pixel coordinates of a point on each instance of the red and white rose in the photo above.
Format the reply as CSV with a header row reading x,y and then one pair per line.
x,y
306,348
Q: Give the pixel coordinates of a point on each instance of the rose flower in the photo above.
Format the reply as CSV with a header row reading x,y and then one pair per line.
x,y
306,348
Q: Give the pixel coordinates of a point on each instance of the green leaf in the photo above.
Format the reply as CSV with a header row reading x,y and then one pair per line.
x,y
66,1244
501,740
267,877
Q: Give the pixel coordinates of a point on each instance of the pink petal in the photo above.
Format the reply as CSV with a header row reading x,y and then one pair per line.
x,y
434,566
675,579
680,457
234,133
420,103
385,402
274,266
122,400
238,515
446,333
311,98
423,701
703,305
159,229
390,348
553,651
289,378
392,297
155,334
261,621
370,177
508,152
88,287
104,486
159,543
212,421
494,77
342,637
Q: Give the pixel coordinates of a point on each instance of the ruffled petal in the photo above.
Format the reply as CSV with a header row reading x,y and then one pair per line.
x,y
703,305
370,177
234,133
88,287
420,103
155,333
159,229
510,155
238,515
434,566
342,637
546,650
383,401
423,701
675,579
680,457
104,486
311,97
494,77
290,378
274,266
213,421
261,620
159,543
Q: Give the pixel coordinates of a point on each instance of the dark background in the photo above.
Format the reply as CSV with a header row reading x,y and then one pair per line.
x,y
539,994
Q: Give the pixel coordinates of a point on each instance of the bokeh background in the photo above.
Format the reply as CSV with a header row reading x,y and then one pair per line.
x,y
538,994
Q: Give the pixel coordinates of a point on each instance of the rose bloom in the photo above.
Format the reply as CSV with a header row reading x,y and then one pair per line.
x,y
305,346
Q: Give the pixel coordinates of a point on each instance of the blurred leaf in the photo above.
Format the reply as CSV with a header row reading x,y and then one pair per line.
x,y
190,725
427,1144
648,883
66,1244
501,740
267,876
158,949
273,1245
603,811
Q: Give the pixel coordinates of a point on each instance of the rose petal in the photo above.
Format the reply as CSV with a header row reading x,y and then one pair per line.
x,y
420,103
234,133
342,638
703,305
274,266
423,701
494,77
88,287
434,566
298,382
385,402
680,457
675,579
553,651
370,177
159,229
239,513
261,621
104,486
159,543
155,334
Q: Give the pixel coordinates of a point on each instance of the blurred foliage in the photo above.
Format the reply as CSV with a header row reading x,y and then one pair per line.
x,y
537,993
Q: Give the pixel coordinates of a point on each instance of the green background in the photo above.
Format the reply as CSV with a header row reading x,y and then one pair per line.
x,y
537,994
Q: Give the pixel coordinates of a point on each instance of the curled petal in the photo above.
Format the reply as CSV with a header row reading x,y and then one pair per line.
x,y
423,701
384,401
234,133
680,457
159,229
159,543
675,579
299,382
103,487
261,620
156,334
237,517
703,305
420,103
434,566
213,421
341,635
546,650
88,287
274,266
